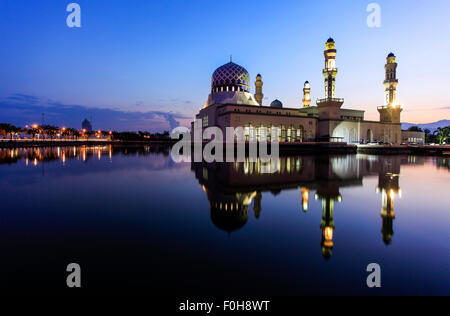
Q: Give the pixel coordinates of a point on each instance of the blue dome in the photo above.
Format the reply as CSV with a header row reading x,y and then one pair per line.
x,y
276,104
391,55
330,40
231,74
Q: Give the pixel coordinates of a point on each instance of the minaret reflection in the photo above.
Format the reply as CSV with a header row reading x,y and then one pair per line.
x,y
388,185
257,204
328,192
232,188
305,198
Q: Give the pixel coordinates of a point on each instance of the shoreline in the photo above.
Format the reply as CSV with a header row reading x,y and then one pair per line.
x,y
28,144
285,148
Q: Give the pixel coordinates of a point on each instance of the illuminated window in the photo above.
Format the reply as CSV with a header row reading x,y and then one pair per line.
x,y
205,121
283,133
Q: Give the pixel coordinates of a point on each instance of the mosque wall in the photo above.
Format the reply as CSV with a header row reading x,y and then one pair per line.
x,y
291,125
381,132
346,131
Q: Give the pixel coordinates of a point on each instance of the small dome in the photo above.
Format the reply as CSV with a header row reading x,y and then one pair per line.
x,y
391,55
276,104
330,40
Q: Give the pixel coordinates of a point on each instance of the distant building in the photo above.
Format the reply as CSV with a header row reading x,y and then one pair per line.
x,y
413,138
86,125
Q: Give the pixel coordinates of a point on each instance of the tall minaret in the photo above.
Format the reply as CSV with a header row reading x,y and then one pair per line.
x,y
390,83
330,71
330,106
306,95
390,111
259,96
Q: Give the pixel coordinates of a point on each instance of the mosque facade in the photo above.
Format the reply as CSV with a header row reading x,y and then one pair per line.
x,y
231,104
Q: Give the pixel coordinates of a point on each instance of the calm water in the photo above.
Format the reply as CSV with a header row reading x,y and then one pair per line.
x,y
137,222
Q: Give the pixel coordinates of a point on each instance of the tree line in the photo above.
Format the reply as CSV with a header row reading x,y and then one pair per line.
x,y
440,136
9,131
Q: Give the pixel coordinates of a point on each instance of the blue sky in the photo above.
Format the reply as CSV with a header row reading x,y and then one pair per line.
x,y
157,57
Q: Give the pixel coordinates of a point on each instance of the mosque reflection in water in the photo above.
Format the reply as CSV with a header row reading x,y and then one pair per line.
x,y
231,188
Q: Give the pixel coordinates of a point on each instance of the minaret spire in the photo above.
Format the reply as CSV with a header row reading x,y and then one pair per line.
x,y
390,82
330,71
306,95
259,96
390,111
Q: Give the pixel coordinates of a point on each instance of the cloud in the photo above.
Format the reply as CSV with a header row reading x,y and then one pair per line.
x,y
21,109
23,98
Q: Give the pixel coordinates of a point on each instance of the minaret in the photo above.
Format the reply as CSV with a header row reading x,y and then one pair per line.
x,y
330,71
306,95
390,112
330,106
258,89
390,83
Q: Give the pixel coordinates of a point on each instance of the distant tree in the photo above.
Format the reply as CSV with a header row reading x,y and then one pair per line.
x,y
442,134
71,133
161,136
90,133
35,130
126,136
427,135
144,135
50,131
415,129
8,129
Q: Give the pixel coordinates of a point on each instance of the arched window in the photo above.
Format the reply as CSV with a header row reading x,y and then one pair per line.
x,y
299,136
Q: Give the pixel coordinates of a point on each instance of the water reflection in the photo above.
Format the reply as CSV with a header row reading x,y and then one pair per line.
x,y
235,189
231,188
33,156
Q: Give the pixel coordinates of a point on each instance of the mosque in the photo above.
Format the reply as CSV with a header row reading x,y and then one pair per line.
x,y
231,104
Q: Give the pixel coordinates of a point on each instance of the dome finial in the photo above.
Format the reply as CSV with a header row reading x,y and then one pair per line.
x,y
231,58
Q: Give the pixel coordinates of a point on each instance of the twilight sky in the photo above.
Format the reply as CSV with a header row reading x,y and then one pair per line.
x,y
146,65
